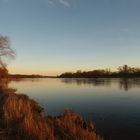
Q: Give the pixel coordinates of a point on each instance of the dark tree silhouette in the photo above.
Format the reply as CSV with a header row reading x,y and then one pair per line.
x,y
123,72
6,52
124,69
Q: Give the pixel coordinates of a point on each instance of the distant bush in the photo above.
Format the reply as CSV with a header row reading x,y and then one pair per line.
x,y
3,73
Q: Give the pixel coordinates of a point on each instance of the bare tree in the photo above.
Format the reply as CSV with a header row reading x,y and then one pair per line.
x,y
124,69
6,52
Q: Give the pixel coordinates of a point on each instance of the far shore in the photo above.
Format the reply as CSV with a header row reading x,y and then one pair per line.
x,y
124,71
20,76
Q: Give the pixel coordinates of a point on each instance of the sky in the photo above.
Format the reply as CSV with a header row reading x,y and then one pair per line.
x,y
54,36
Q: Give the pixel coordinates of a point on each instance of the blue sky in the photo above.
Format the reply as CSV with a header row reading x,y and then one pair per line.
x,y
54,36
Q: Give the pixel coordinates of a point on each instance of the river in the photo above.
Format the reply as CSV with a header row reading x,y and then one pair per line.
x,y
112,104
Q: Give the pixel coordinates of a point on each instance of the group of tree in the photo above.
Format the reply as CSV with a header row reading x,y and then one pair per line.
x,y
6,54
123,72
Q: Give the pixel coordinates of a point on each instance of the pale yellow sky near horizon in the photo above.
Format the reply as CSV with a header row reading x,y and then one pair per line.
x,y
51,72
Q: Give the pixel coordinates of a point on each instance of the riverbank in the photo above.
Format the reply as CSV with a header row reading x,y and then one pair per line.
x,y
22,118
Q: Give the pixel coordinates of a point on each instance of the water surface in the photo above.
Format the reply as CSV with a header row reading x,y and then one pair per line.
x,y
112,104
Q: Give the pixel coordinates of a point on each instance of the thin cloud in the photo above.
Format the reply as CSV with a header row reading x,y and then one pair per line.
x,y
65,3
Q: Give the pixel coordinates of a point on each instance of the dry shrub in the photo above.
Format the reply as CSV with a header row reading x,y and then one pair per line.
x,y
23,115
71,126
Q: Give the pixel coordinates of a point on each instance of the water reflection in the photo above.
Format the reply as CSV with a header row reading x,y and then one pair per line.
x,y
127,84
123,83
84,81
26,79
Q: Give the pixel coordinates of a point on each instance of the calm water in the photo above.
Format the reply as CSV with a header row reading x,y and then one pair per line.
x,y
112,104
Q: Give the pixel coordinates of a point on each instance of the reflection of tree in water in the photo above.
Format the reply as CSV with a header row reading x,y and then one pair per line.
x,y
26,79
128,83
124,83
84,81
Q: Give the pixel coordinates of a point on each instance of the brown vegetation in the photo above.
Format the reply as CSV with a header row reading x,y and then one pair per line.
x,y
22,118
3,73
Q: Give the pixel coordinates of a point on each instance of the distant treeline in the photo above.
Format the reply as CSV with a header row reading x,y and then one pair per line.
x,y
5,75
26,76
17,76
123,72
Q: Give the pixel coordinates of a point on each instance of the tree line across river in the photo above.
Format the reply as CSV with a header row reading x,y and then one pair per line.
x,y
124,71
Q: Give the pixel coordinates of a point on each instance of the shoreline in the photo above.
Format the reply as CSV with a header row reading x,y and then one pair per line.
x,y
22,118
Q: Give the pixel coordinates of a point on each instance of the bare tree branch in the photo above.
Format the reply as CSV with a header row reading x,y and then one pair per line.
x,y
6,52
